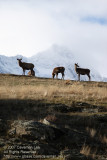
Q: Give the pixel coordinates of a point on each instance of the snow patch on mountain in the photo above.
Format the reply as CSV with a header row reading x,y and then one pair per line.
x,y
10,65
45,62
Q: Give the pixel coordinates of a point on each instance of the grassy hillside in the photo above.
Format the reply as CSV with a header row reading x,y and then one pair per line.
x,y
24,87
30,90
79,107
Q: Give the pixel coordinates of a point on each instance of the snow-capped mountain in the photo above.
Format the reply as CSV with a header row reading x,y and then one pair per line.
x,y
10,64
45,62
54,57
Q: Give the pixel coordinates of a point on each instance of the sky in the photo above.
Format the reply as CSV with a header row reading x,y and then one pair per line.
x,y
31,26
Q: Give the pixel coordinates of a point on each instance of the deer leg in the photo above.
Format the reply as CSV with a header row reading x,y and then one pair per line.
x,y
62,75
56,75
53,75
89,77
79,77
23,71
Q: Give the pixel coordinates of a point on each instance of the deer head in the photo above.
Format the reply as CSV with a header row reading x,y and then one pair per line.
x,y
19,59
76,64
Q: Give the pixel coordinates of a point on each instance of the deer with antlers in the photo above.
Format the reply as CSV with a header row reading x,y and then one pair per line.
x,y
25,66
82,71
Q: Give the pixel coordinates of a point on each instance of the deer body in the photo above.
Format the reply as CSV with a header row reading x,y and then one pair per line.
x,y
25,66
82,71
58,70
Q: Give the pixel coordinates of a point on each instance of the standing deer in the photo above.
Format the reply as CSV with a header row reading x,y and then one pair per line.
x,y
82,71
25,66
58,70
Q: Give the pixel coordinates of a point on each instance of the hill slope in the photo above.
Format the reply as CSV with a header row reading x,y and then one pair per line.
x,y
52,117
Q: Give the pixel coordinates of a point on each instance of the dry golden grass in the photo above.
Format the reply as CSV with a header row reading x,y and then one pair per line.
x,y
23,87
91,131
88,151
103,139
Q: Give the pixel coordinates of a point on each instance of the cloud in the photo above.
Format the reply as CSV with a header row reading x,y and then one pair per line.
x,y
28,27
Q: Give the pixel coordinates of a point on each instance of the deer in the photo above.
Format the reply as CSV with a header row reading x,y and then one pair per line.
x,y
82,71
25,66
58,70
31,73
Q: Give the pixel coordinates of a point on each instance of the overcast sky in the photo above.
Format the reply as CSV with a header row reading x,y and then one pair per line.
x,y
31,26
